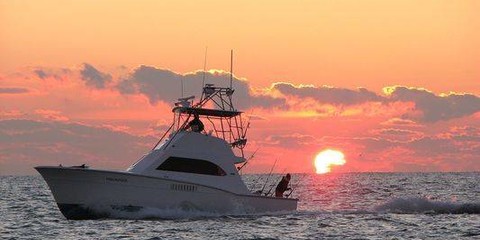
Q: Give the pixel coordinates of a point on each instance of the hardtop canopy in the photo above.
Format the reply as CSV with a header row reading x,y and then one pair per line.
x,y
206,112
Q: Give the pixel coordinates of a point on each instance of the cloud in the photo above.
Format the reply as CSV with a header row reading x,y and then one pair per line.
x,y
165,85
428,107
290,140
433,108
56,73
464,133
15,113
26,143
256,117
330,95
398,134
13,90
456,149
400,122
51,115
162,85
93,77
41,73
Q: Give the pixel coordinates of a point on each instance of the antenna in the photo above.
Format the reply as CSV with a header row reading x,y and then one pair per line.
x,y
182,86
204,67
231,68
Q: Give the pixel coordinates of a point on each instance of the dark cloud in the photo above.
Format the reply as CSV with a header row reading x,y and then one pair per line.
x,y
13,90
127,87
41,74
165,85
330,95
59,74
26,143
435,108
431,107
93,77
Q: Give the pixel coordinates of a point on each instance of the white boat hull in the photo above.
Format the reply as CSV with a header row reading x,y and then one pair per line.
x,y
83,193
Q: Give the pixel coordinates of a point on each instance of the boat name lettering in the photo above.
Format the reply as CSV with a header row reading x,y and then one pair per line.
x,y
116,179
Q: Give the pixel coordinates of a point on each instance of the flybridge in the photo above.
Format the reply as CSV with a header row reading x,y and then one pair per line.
x,y
215,109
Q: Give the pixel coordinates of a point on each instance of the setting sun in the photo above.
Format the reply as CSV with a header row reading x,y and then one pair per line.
x,y
325,159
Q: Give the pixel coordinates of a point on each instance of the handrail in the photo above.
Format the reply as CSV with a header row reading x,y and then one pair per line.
x,y
163,136
176,132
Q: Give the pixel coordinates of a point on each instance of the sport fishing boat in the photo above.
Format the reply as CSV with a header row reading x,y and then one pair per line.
x,y
193,167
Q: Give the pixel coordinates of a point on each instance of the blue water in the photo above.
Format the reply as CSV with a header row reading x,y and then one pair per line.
x,y
335,206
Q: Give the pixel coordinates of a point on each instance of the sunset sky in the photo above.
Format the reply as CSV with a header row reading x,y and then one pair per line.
x,y
394,85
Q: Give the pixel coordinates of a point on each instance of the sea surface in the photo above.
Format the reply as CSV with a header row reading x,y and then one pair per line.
x,y
332,206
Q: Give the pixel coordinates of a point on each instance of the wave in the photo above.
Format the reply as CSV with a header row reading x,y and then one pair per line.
x,y
425,205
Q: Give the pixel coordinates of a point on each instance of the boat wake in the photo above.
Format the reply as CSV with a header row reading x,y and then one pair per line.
x,y
405,205
408,205
149,213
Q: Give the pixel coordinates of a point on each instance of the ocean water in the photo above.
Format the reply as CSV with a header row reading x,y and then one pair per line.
x,y
332,206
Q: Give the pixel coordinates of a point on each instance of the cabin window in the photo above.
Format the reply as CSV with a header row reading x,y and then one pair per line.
x,y
189,165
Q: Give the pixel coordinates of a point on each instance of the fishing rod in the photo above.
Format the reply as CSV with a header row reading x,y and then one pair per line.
x,y
250,158
271,170
296,185
268,193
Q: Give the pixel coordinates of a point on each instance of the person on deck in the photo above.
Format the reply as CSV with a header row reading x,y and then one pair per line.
x,y
282,186
196,125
